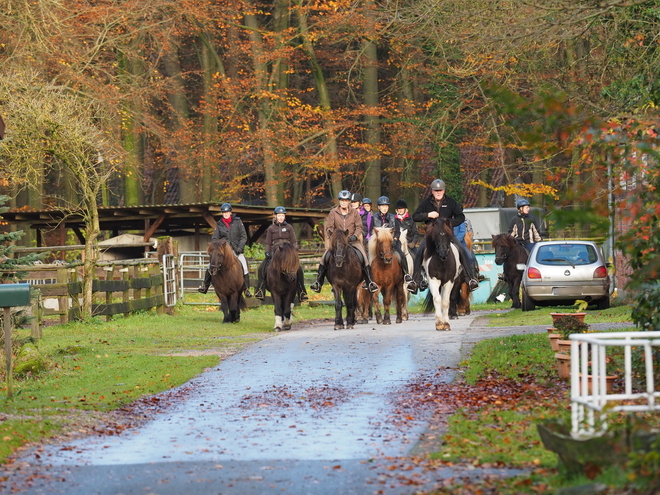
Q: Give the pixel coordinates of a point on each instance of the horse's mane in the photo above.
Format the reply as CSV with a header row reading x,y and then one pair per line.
x,y
223,247
435,228
382,234
505,240
287,259
337,236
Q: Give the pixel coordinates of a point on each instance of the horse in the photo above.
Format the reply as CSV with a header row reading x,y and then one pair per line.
x,y
509,252
386,272
460,301
227,278
281,281
344,272
443,269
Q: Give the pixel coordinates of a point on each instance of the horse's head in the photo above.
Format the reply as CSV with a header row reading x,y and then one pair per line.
x,y
380,244
439,236
285,260
217,251
503,244
339,246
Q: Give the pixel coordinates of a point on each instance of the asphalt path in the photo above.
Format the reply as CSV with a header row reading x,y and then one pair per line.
x,y
308,411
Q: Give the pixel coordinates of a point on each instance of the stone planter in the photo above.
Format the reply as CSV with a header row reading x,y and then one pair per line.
x,y
556,316
609,383
563,365
563,346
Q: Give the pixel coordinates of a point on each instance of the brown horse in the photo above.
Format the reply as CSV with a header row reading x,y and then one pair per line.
x,y
344,274
387,273
281,280
227,278
509,252
461,296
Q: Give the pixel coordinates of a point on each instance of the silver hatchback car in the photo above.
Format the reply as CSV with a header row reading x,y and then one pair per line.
x,y
561,272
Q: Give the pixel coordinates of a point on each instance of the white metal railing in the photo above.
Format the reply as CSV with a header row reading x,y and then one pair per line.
x,y
192,268
590,399
169,280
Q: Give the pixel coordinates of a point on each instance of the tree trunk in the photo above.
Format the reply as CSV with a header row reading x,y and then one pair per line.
x,y
371,119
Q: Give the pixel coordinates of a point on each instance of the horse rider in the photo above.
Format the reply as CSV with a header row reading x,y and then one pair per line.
x,y
367,218
524,226
406,222
386,219
277,233
356,202
439,205
346,218
231,228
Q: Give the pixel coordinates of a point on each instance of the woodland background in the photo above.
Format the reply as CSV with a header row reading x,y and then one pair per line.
x,y
125,102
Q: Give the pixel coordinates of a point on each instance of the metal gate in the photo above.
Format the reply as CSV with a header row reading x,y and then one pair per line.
x,y
192,268
169,280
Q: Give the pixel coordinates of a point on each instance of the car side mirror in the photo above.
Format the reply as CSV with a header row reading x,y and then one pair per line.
x,y
521,267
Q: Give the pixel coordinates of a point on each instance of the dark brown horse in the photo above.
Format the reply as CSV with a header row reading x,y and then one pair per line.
x,y
443,269
227,278
281,280
387,273
344,274
509,252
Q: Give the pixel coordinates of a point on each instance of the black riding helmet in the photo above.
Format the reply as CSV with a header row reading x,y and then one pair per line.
x,y
366,201
279,209
383,200
225,207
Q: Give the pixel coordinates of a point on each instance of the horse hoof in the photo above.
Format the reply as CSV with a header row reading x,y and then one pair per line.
x,y
453,317
379,320
339,327
387,322
277,329
362,322
399,320
286,327
442,327
349,327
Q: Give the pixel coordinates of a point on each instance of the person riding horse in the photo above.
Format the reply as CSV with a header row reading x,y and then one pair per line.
x,y
346,218
406,222
439,205
386,219
279,232
524,226
367,218
231,228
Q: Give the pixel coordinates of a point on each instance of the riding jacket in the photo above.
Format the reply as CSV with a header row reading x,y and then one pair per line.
x,y
367,223
408,224
387,220
280,233
525,229
352,222
447,208
235,233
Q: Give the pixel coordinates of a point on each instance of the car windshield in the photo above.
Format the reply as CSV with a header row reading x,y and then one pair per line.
x,y
566,254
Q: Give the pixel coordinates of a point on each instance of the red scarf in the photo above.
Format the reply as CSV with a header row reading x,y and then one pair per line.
x,y
227,221
400,217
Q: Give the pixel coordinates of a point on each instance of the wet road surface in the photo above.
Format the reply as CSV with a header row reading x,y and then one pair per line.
x,y
310,411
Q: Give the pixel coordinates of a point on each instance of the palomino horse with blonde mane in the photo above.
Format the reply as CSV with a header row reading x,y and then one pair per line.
x,y
387,274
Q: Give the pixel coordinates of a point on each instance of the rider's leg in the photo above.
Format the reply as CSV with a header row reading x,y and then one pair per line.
x,y
204,288
320,275
468,263
366,271
418,269
246,274
411,286
302,293
261,283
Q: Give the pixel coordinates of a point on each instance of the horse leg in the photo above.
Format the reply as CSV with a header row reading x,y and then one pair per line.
x,y
401,301
387,300
376,306
287,309
514,293
224,307
339,320
441,295
234,310
277,308
364,297
350,296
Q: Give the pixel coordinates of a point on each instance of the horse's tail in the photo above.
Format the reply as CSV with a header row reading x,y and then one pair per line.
x,y
428,306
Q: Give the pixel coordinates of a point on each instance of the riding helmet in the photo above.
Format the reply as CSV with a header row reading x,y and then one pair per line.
x,y
356,198
366,201
344,195
438,185
280,209
383,200
225,207
400,203
521,203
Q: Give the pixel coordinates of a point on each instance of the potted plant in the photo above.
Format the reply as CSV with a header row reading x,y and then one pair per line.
x,y
579,313
567,325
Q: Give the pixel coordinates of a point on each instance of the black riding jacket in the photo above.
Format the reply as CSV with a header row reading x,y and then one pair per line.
x,y
448,208
235,234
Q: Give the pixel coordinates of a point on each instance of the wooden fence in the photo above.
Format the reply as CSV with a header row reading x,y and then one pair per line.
x,y
121,287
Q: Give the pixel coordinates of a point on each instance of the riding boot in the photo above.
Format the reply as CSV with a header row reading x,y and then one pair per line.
x,y
468,265
302,293
411,286
371,285
204,288
320,277
261,285
246,277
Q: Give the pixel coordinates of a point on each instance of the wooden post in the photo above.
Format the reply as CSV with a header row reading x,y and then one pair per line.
x,y
10,384
109,275
125,295
37,316
63,301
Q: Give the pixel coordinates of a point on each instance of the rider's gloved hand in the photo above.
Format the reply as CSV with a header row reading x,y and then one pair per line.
x,y
352,238
268,256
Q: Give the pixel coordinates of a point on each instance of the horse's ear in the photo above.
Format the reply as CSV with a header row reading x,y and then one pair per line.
x,y
346,231
493,236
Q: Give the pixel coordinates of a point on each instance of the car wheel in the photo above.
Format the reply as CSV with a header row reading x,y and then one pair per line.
x,y
527,303
604,303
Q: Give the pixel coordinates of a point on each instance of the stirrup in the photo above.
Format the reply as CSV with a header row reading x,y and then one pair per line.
x,y
302,297
316,287
407,278
364,285
203,289
373,287
247,292
259,295
423,284
411,287
473,284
